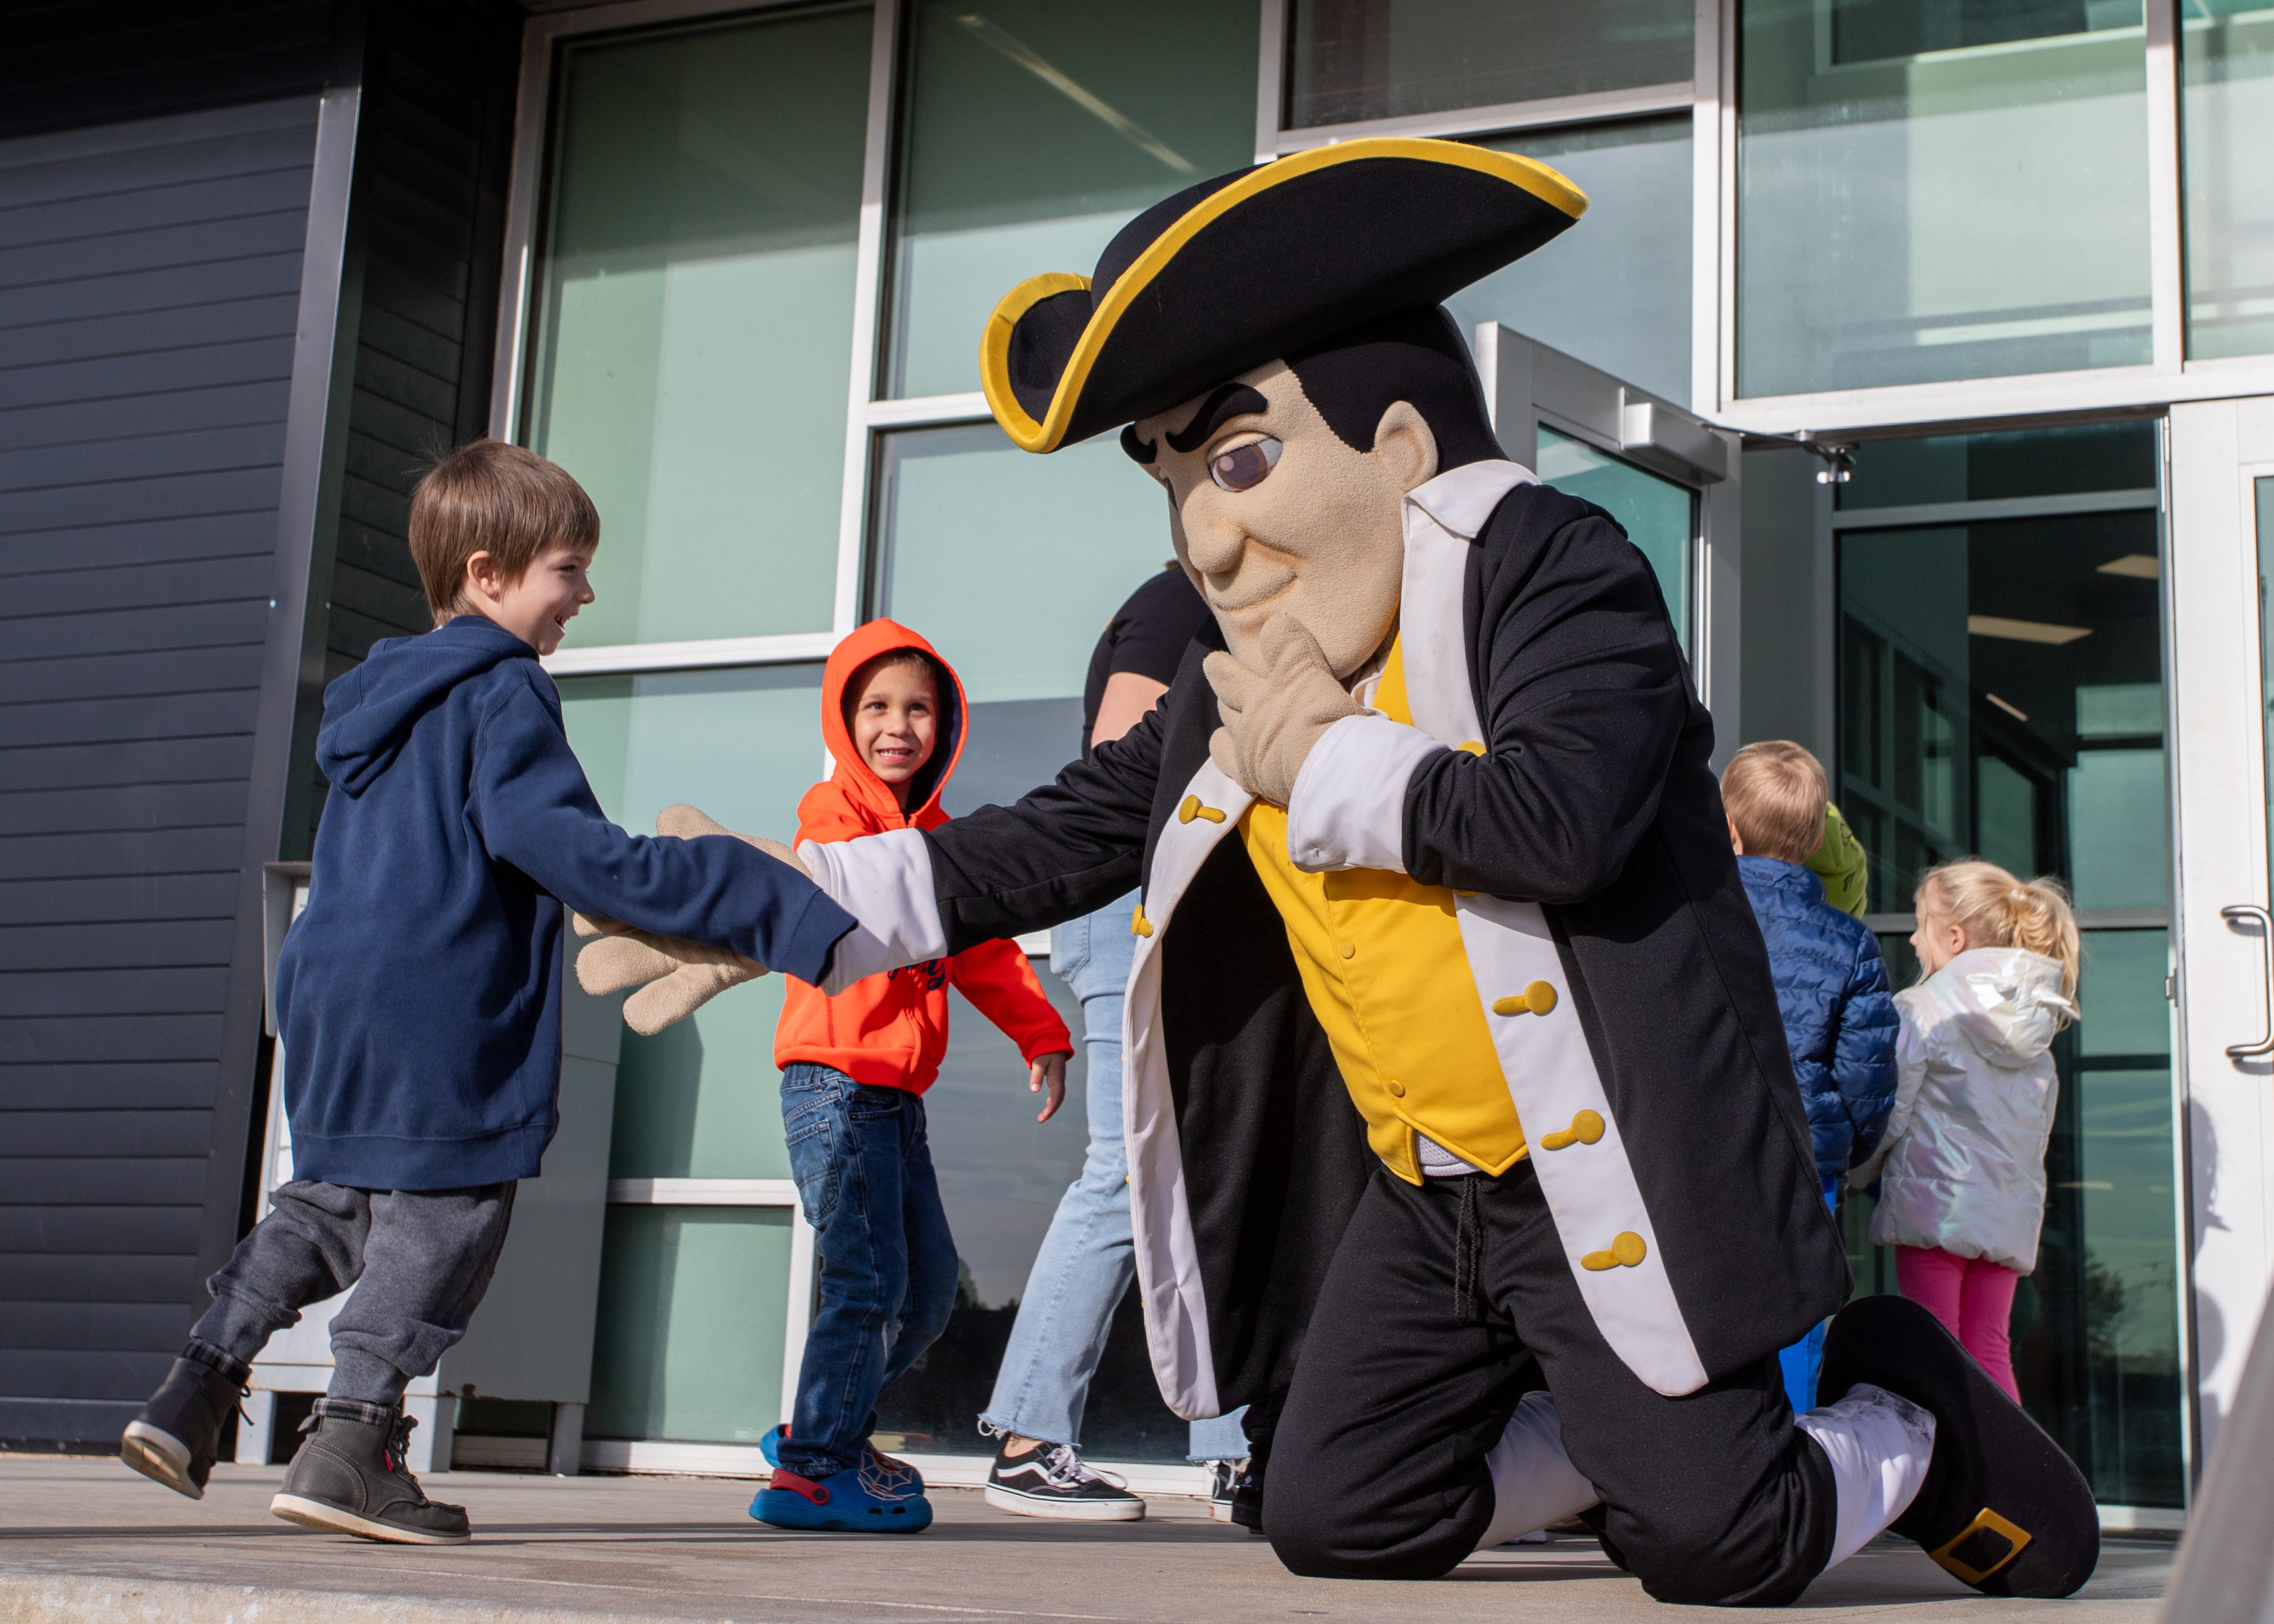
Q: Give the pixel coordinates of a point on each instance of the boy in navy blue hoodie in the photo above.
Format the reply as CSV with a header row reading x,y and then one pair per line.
x,y
1831,984
419,994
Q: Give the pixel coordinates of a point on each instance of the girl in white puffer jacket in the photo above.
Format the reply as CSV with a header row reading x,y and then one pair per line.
x,y
1962,1167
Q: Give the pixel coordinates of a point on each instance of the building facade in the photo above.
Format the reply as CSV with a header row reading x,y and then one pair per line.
x,y
728,266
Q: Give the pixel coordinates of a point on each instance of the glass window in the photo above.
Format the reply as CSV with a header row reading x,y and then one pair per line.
x,y
2002,694
1354,59
1011,564
1939,189
1034,130
2227,59
1977,468
1001,1173
687,1341
693,322
1614,290
1658,514
697,1099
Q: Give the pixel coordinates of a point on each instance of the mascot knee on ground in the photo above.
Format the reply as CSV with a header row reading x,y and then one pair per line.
x,y
1463,1144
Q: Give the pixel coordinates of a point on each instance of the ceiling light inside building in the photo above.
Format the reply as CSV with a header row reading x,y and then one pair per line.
x,y
2138,565
2023,631
2010,708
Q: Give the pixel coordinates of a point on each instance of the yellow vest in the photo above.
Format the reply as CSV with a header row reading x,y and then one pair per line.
x,y
1383,964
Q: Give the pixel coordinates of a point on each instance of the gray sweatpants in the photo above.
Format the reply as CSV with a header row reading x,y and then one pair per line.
x,y
419,1261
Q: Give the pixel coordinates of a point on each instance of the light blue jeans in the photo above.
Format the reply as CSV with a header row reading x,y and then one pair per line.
x,y
1087,1260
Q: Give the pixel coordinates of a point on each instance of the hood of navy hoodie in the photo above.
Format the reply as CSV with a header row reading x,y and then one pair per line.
x,y
369,713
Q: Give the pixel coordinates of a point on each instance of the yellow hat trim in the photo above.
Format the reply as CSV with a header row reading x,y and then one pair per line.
x,y
995,344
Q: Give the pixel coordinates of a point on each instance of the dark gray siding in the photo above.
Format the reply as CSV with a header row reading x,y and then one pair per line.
x,y
425,235
149,286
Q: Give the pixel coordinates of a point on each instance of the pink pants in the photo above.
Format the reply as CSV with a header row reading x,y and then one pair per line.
x,y
1974,1299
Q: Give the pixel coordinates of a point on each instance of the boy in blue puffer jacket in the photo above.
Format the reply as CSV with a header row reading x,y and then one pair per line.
x,y
1831,987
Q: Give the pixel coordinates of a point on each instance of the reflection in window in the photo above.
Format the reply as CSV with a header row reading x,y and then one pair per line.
x,y
1657,514
1033,131
1930,190
1000,1176
687,1341
1614,290
695,316
2227,55
1354,59
2001,695
697,1099
2264,491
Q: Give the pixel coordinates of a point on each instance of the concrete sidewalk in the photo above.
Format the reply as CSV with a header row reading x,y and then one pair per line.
x,y
83,1540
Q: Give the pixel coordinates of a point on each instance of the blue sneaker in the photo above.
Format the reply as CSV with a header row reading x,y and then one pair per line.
x,y
769,1445
860,1499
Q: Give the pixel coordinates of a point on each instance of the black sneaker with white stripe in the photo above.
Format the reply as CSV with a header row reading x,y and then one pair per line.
x,y
1052,1480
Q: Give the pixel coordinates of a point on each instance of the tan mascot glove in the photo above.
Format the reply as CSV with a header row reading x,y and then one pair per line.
x,y
1273,721
676,976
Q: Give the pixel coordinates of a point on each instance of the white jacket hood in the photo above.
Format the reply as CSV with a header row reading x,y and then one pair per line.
x,y
2006,1002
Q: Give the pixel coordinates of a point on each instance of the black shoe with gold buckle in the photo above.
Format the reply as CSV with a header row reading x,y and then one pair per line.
x,y
2002,1509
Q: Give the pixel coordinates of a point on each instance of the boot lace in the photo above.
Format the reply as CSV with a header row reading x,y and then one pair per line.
x,y
1063,1465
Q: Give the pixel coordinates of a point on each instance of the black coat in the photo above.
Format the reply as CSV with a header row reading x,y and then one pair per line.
x,y
1595,800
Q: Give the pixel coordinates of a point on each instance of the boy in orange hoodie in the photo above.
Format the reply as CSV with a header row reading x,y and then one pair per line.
x,y
854,1069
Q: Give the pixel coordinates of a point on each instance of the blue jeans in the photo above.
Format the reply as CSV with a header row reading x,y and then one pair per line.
x,y
1087,1260
1801,1362
887,1263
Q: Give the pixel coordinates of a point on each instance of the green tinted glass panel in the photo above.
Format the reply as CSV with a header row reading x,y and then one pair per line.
x,y
1034,130
693,1310
1354,59
1939,189
1657,513
2264,489
693,334
2001,696
697,1099
2227,55
1976,468
1614,290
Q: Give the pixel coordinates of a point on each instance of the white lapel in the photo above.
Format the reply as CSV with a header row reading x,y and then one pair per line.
x,y
1590,1187
1168,1260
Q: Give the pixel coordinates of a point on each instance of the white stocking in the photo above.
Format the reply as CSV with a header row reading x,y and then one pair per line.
x,y
1533,1481
1879,1446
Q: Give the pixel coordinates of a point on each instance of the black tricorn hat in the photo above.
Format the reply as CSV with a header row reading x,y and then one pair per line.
x,y
1255,264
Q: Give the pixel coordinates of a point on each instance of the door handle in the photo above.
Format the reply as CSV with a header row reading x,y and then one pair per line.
x,y
2252,911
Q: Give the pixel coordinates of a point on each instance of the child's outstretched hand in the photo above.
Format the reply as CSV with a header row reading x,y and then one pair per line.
x,y
1049,1072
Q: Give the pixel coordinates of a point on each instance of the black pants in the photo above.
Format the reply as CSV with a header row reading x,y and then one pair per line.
x,y
1443,1306
419,1261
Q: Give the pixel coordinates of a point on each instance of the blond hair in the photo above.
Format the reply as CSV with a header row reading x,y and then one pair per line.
x,y
1775,793
489,497
1996,910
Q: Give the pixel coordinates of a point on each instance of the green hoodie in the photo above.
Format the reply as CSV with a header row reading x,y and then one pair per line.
x,y
1838,860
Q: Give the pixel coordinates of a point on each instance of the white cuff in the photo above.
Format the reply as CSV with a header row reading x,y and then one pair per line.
x,y
1879,1446
884,882
1533,1481
1348,810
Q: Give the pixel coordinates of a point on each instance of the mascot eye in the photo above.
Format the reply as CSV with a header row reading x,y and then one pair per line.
x,y
1242,467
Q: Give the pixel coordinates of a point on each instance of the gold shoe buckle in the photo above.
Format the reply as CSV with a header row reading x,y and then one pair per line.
x,y
1980,1538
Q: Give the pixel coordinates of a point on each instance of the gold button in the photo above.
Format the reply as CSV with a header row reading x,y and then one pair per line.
x,y
1625,1250
1138,925
1536,999
1349,950
1396,1088
1472,747
1586,1127
1192,808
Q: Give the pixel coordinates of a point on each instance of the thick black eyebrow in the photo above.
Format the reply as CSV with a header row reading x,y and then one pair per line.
x,y
1139,450
1230,400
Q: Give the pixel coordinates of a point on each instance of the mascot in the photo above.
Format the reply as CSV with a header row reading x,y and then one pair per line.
x,y
1462,1139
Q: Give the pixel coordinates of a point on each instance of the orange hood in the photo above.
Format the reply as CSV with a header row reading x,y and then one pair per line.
x,y
872,798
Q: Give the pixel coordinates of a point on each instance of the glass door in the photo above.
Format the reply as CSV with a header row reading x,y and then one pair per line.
x,y
2002,694
2222,549
1666,476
